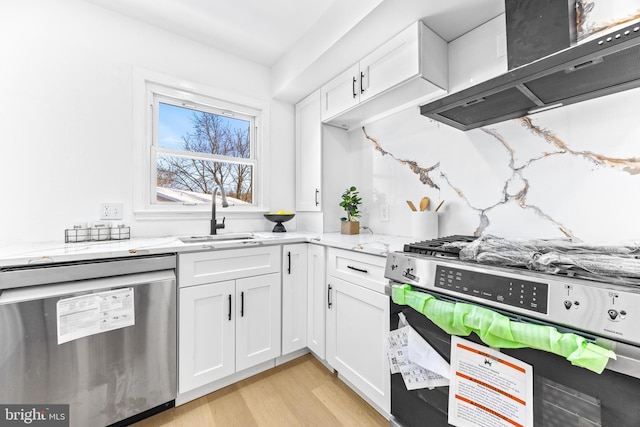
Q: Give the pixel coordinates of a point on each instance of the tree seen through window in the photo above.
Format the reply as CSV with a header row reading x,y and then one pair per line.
x,y
198,150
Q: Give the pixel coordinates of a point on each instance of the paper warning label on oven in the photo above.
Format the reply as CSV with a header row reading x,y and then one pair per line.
x,y
488,388
86,315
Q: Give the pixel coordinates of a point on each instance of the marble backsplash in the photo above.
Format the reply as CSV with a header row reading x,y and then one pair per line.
x,y
572,172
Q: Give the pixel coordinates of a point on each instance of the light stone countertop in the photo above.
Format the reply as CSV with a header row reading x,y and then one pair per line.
x,y
52,252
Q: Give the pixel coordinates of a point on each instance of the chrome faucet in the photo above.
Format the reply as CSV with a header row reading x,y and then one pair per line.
x,y
214,222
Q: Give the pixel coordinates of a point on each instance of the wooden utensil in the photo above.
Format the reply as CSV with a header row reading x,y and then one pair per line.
x,y
411,205
424,203
439,206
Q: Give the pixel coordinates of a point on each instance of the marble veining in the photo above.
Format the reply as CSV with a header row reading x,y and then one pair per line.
x,y
516,188
422,172
630,165
596,16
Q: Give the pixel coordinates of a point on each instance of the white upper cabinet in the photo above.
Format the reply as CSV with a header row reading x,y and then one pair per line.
x,y
309,154
341,93
394,62
409,69
478,55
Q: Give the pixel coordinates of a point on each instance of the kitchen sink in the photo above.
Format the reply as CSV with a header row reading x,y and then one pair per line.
x,y
218,238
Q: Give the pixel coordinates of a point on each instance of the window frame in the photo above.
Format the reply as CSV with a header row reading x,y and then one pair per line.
x,y
157,150
152,87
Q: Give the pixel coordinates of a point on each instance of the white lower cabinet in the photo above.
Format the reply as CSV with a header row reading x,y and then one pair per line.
x,y
226,327
257,320
207,334
294,297
317,300
230,325
357,328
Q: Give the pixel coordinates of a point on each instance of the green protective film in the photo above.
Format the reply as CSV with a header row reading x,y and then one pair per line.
x,y
497,330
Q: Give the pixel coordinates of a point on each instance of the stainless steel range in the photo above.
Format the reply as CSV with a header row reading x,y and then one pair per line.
x,y
592,293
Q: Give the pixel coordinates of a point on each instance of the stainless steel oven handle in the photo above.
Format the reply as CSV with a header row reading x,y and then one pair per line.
x,y
497,330
627,359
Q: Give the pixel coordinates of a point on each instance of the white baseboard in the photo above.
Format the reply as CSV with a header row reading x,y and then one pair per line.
x,y
291,356
374,405
224,382
238,376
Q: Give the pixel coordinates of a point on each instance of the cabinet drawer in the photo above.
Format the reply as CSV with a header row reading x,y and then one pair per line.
x,y
362,269
215,266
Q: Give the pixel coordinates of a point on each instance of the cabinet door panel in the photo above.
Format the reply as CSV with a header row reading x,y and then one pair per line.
x,y
207,335
294,297
391,64
309,154
257,320
317,300
357,327
341,93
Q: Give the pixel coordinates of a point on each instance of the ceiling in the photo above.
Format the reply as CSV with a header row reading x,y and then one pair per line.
x,y
265,30
260,30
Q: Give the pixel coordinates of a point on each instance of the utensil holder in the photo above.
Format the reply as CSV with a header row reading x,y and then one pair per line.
x,y
424,225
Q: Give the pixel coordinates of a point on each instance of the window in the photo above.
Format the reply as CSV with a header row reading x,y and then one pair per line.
x,y
199,147
190,139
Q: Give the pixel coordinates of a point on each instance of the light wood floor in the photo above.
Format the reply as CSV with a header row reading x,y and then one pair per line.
x,y
298,393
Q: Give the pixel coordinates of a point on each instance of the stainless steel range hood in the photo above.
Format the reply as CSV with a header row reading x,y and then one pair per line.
x,y
606,65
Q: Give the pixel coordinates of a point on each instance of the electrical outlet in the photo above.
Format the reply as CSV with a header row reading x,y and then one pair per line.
x,y
384,212
111,210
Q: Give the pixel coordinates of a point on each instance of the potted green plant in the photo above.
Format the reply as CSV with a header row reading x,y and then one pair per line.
x,y
351,200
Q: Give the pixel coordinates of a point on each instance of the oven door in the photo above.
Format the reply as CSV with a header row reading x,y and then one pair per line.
x,y
564,395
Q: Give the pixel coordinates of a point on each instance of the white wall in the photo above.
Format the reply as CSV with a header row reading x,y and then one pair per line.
x,y
574,172
66,110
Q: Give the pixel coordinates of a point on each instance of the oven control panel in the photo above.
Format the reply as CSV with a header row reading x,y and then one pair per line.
x,y
514,292
602,309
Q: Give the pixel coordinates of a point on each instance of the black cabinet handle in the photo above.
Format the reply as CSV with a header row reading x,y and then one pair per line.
x,y
361,82
358,269
329,303
241,304
289,267
229,306
353,87
317,192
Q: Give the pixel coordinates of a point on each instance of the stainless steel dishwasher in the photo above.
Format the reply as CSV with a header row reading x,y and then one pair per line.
x,y
99,336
